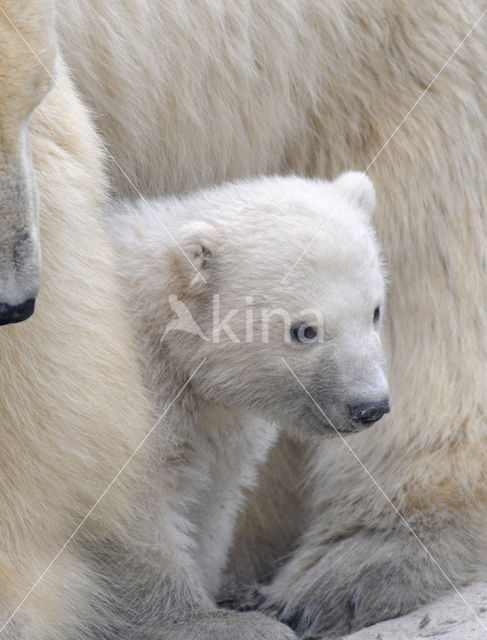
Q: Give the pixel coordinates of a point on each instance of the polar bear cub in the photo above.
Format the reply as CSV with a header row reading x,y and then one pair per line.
x,y
256,305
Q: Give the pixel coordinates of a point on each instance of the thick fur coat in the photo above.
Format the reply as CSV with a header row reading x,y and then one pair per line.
x,y
89,543
202,279
190,95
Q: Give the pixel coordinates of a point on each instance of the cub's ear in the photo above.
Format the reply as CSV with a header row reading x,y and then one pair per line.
x,y
193,253
358,189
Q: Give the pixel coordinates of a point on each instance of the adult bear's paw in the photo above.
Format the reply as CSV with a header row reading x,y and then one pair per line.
x,y
338,588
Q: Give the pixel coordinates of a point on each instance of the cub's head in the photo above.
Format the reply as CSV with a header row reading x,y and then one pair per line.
x,y
283,301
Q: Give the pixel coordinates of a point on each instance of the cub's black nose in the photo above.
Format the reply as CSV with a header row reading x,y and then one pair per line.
x,y
16,313
369,413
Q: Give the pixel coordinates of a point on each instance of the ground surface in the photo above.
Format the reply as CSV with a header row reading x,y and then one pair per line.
x,y
449,618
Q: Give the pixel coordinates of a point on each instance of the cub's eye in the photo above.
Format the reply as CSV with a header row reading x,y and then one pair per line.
x,y
303,333
376,314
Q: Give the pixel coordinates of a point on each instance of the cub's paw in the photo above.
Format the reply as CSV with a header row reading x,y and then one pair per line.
x,y
246,598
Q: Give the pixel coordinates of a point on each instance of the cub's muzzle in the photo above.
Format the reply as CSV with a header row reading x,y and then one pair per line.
x,y
367,414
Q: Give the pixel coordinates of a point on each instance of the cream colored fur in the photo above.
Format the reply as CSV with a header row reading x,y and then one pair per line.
x,y
72,404
187,95
23,84
237,236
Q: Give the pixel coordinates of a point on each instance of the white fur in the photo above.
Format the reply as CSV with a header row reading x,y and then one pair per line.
x,y
237,236
23,84
72,404
187,95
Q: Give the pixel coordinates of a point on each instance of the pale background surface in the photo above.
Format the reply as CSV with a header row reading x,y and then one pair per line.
x,y
447,619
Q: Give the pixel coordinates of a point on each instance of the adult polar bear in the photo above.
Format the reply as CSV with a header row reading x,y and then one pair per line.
x,y
66,428
188,94
72,404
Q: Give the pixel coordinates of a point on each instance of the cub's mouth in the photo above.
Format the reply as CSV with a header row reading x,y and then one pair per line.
x,y
325,423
